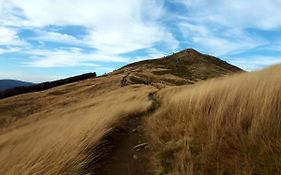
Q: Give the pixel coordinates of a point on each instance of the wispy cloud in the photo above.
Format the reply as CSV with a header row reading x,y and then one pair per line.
x,y
255,62
68,57
36,78
263,14
218,41
9,37
114,28
223,28
114,32
56,37
9,49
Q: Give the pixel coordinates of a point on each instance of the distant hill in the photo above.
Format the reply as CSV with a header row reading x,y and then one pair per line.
x,y
43,86
8,84
185,67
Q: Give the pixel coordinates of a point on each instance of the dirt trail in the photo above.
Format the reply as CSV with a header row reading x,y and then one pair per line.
x,y
124,80
127,151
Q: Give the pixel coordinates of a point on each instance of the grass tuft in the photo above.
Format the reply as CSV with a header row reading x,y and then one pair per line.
x,y
233,126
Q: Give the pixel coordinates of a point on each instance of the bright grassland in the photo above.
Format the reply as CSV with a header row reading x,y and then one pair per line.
x,y
57,131
226,126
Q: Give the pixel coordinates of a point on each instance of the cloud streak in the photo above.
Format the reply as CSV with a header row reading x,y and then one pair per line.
x,y
70,57
113,32
255,62
9,37
114,28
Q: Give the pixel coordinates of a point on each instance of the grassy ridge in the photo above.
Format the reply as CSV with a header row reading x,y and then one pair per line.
x,y
62,142
226,126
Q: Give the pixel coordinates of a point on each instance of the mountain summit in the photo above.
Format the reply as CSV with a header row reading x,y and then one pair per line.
x,y
185,67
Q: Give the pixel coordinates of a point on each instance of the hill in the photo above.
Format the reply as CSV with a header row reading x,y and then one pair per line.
x,y
8,84
135,120
222,126
43,86
185,67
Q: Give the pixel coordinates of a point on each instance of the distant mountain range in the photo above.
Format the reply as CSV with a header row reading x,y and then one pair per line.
x,y
8,84
26,87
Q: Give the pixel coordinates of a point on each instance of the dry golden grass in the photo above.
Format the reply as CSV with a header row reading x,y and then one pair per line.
x,y
59,137
226,126
14,108
230,125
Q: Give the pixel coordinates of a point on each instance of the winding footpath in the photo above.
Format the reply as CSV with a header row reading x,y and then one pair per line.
x,y
126,149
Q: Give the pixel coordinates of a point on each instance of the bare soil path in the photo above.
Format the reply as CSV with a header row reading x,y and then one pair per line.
x,y
127,150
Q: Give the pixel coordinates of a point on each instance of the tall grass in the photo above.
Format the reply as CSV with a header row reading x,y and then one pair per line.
x,y
62,141
228,126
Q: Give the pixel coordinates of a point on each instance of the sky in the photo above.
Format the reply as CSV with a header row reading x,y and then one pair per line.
x,y
43,40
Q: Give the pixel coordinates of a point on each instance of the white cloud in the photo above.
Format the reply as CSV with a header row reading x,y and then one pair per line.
x,y
264,14
255,62
152,53
72,57
9,50
118,26
9,37
86,12
56,37
272,47
123,39
218,41
220,27
10,15
115,27
29,77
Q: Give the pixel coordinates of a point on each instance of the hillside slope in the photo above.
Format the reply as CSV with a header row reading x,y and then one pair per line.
x,y
222,126
185,67
69,129
57,131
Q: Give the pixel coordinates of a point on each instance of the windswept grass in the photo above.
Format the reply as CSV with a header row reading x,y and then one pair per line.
x,y
226,126
62,141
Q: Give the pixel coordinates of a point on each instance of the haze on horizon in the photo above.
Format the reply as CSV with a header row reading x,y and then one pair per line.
x,y
46,40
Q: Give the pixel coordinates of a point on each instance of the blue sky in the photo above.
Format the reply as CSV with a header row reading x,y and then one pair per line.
x,y
49,39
